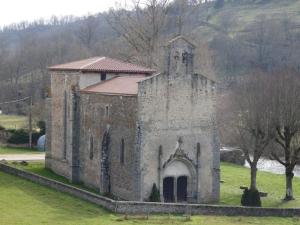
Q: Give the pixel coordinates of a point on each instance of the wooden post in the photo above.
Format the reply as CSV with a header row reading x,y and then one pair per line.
x,y
30,121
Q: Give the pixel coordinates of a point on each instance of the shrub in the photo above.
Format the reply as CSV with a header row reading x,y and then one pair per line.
x,y
21,136
251,198
155,194
18,137
2,128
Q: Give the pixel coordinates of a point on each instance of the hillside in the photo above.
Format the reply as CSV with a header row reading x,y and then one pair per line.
x,y
240,37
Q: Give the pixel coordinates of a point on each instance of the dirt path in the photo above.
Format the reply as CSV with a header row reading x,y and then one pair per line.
x,y
20,157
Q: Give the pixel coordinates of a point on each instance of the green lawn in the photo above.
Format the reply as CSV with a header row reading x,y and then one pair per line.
x,y
233,177
13,122
9,150
26,203
38,167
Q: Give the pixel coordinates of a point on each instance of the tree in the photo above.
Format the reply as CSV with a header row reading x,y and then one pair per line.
x,y
87,31
219,4
141,26
286,104
249,119
155,194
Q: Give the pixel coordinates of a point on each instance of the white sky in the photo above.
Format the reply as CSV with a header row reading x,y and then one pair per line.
x,y
14,11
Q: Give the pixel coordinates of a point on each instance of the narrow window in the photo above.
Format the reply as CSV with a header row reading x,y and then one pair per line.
x,y
107,111
103,76
185,57
198,149
122,152
91,147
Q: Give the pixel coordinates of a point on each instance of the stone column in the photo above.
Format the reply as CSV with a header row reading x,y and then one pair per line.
x,y
198,167
175,189
75,137
48,132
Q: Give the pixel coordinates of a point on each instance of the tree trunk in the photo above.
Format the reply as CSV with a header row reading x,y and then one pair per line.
x,y
253,177
289,175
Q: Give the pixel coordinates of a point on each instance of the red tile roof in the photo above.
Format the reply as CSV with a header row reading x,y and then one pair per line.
x,y
125,85
102,64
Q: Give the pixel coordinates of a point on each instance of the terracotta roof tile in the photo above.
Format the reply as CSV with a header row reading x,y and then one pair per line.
x,y
125,85
102,64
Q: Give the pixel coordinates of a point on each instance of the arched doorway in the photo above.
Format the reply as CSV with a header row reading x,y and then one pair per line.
x,y
168,190
178,181
182,188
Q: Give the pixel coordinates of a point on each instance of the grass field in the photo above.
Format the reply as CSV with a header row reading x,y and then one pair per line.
x,y
13,122
23,203
233,177
39,168
8,150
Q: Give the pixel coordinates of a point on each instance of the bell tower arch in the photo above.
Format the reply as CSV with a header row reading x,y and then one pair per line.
x,y
179,57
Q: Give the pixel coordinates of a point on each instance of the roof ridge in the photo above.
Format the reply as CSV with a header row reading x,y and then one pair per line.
x,y
91,63
130,63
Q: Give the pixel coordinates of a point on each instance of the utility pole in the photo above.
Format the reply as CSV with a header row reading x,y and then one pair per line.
x,y
30,121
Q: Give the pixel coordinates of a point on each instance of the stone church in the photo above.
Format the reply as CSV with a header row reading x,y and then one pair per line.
x,y
120,127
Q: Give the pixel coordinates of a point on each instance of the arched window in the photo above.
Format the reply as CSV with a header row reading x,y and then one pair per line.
x,y
122,151
91,147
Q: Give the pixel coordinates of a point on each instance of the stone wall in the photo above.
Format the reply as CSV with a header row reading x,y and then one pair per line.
x,y
59,153
170,108
62,138
126,207
120,123
232,155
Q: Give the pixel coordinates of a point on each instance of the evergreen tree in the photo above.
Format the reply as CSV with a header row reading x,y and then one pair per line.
x,y
155,194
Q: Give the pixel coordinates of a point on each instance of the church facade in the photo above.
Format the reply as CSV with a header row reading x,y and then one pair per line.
x,y
121,128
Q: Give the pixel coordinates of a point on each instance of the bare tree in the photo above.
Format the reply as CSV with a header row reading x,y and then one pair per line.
x,y
249,119
286,104
141,26
87,31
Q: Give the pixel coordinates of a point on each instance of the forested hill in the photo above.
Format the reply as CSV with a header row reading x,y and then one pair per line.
x,y
233,38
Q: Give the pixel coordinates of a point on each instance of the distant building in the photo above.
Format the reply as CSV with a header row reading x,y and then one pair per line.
x,y
117,127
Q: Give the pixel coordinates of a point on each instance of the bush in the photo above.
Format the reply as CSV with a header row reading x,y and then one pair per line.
x,y
2,128
21,136
18,137
155,194
251,198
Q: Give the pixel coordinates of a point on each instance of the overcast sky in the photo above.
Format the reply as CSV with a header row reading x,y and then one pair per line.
x,y
14,11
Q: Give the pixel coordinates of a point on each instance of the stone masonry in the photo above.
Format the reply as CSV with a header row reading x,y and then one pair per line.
x,y
160,130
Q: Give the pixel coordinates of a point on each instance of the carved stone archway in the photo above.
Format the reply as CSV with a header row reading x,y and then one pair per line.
x,y
179,167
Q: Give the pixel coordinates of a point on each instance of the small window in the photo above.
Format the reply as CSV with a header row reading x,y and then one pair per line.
x,y
198,149
91,147
185,56
106,111
103,76
122,151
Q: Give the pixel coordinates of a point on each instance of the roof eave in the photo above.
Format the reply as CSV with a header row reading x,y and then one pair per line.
x,y
108,93
100,71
